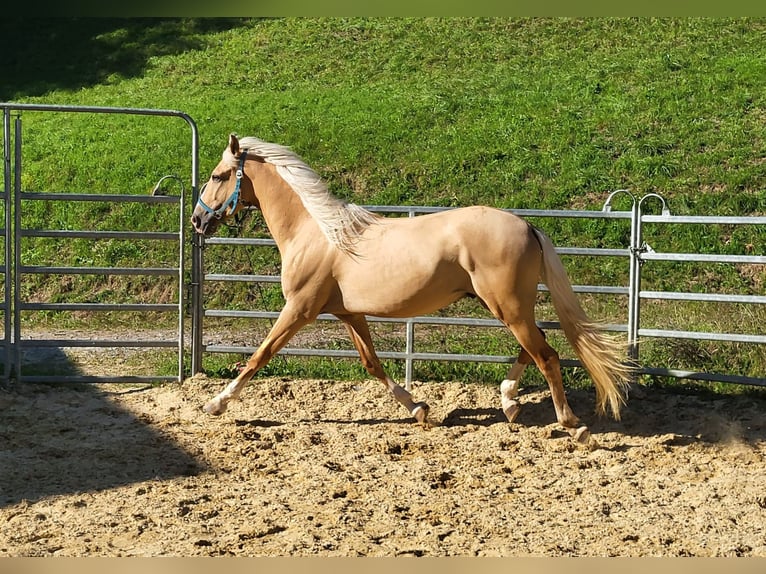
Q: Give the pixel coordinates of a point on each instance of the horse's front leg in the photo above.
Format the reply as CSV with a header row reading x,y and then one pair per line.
x,y
360,335
288,323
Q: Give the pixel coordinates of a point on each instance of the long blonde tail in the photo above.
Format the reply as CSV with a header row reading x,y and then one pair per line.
x,y
601,354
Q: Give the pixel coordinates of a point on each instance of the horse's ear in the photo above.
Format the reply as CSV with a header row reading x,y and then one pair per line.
x,y
233,145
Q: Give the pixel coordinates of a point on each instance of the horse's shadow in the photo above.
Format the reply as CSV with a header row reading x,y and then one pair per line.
x,y
681,416
473,416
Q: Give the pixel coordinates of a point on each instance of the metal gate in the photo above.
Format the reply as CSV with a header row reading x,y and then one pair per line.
x,y
21,265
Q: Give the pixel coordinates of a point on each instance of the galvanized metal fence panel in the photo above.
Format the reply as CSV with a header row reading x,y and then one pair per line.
x,y
644,254
15,200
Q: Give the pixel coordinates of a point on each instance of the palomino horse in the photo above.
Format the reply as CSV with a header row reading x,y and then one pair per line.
x,y
339,258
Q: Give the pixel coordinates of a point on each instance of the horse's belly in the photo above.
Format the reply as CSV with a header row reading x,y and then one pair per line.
x,y
404,294
398,307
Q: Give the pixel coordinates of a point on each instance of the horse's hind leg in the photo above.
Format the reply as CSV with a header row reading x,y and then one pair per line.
x,y
547,360
360,335
509,388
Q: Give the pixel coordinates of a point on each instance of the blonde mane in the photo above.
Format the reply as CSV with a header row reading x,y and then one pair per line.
x,y
341,222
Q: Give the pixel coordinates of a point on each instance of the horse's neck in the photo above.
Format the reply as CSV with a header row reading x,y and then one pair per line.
x,y
284,212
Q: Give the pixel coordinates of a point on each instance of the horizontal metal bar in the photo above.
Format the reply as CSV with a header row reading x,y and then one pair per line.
x,y
706,219
593,251
704,297
78,234
239,241
337,353
235,314
424,210
96,343
393,355
243,278
701,335
562,213
260,242
420,320
99,270
97,307
102,197
456,321
91,109
696,375
478,322
703,257
595,289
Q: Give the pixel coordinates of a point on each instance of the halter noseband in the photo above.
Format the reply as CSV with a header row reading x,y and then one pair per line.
x,y
230,203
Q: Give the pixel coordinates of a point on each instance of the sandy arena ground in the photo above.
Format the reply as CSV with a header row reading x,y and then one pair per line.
x,y
317,468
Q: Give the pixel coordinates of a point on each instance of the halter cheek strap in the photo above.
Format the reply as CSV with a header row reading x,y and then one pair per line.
x,y
231,202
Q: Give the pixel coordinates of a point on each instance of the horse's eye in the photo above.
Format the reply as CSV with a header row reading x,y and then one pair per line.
x,y
216,178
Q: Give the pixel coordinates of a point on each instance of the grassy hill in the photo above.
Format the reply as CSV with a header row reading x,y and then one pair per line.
x,y
514,113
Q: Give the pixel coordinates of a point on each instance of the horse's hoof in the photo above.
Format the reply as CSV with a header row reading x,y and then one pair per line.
x,y
581,435
511,408
420,412
214,408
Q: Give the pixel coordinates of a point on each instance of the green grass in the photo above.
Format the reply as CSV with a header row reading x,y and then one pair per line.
x,y
514,113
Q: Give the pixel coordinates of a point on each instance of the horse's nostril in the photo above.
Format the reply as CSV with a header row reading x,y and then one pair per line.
x,y
197,224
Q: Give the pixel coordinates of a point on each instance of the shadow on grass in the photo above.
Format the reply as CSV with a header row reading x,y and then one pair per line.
x,y
40,55
70,438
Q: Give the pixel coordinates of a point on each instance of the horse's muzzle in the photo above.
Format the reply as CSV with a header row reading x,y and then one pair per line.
x,y
204,223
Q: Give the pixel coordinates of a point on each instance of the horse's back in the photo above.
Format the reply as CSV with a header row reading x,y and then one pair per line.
x,y
489,223
417,265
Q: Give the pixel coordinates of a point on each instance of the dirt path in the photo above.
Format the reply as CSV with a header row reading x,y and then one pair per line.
x,y
336,468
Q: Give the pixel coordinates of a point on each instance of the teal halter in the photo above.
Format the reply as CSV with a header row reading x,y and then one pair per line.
x,y
233,198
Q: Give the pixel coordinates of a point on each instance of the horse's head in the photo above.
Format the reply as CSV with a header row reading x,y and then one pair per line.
x,y
226,192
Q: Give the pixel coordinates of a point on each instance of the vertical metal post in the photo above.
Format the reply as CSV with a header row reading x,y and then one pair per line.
x,y
196,263
408,363
634,283
181,283
17,249
410,342
7,277
197,242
